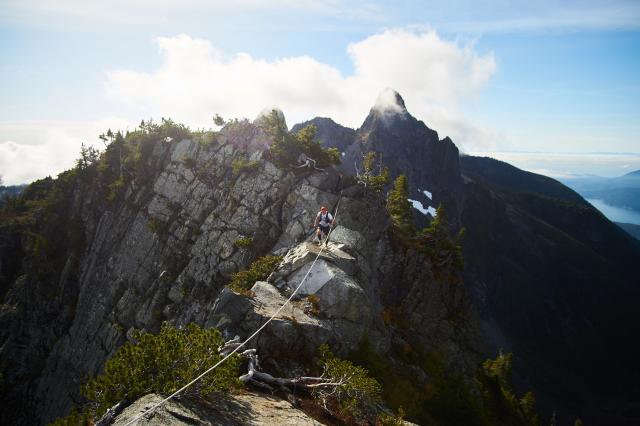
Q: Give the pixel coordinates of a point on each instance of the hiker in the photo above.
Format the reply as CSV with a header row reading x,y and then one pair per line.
x,y
306,161
323,223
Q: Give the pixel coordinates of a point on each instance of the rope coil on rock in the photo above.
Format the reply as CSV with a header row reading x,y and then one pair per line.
x,y
322,247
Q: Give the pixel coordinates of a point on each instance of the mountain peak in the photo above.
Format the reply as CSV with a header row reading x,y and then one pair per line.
x,y
390,101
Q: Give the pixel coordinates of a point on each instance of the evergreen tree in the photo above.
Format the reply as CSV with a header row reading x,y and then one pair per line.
x,y
286,146
494,380
445,253
373,176
399,207
218,121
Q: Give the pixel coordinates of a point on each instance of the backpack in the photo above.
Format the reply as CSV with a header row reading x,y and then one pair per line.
x,y
326,220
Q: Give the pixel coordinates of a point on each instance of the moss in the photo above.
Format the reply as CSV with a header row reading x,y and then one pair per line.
x,y
259,270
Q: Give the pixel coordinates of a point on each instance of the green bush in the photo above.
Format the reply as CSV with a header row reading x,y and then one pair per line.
x,y
241,164
357,394
163,363
244,242
259,270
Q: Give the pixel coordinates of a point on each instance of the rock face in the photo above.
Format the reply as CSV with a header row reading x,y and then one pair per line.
x,y
165,250
535,255
243,409
546,276
329,132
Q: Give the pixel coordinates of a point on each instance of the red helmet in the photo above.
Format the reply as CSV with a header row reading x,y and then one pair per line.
x,y
323,208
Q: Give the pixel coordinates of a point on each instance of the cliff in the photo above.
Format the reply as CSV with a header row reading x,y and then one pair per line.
x,y
152,231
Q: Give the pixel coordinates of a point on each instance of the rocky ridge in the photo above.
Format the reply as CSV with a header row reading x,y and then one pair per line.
x,y
165,251
546,275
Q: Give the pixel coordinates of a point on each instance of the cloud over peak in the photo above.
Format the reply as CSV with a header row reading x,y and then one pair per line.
x,y
196,80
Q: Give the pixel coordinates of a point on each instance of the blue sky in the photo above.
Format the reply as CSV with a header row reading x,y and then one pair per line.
x,y
511,79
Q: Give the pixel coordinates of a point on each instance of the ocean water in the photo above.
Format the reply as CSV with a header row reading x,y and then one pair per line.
x,y
616,214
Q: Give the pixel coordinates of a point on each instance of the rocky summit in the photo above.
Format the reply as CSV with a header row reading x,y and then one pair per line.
x,y
156,231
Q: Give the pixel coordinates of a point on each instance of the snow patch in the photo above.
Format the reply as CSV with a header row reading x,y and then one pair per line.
x,y
418,206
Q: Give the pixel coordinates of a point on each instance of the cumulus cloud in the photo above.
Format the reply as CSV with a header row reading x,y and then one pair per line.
x,y
195,80
31,150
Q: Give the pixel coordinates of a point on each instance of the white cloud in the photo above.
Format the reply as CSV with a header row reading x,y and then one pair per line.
x,y
196,80
31,150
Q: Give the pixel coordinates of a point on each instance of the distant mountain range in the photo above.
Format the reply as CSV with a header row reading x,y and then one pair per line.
x,y
12,190
633,230
623,191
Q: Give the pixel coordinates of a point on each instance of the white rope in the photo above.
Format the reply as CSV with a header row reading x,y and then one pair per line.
x,y
322,247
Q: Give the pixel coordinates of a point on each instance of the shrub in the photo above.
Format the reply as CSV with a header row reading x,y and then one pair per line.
x,y
163,363
244,242
357,394
241,164
241,282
